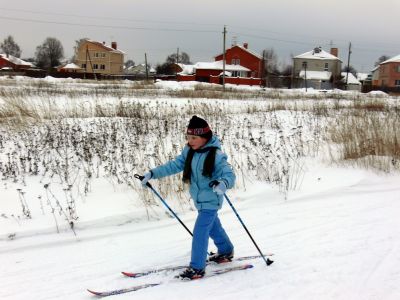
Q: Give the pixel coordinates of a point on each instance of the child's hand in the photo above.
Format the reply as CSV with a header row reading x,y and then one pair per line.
x,y
220,188
146,177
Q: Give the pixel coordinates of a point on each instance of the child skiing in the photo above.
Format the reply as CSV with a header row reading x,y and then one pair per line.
x,y
202,162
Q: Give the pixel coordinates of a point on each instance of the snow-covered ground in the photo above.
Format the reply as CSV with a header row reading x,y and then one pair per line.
x,y
336,236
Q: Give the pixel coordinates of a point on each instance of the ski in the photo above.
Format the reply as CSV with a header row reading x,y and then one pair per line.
x,y
148,285
223,271
175,268
123,291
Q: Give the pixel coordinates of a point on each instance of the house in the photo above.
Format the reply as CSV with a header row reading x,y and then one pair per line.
x,y
242,66
241,55
183,69
99,58
375,76
317,69
14,63
362,77
139,70
351,82
389,73
69,68
212,72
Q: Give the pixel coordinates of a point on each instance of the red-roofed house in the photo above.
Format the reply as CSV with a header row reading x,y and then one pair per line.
x,y
242,66
15,63
241,55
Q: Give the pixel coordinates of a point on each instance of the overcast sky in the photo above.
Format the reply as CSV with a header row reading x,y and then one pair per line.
x,y
158,28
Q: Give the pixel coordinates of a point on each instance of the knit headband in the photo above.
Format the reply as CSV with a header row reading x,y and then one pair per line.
x,y
198,131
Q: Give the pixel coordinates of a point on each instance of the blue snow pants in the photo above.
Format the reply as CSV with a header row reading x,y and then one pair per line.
x,y
208,226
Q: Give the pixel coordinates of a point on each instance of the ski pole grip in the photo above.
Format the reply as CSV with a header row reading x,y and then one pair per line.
x,y
140,177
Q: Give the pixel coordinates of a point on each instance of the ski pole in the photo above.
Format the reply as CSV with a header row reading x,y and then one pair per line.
x,y
267,261
163,201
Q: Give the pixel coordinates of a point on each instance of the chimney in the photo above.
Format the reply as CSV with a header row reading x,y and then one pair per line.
x,y
114,45
104,43
245,45
335,51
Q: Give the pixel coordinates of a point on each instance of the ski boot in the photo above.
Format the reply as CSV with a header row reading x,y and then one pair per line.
x,y
220,258
190,274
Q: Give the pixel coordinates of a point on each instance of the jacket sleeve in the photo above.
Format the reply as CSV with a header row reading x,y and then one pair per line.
x,y
224,170
172,167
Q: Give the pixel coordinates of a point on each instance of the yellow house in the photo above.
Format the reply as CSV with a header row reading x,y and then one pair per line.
x,y
97,57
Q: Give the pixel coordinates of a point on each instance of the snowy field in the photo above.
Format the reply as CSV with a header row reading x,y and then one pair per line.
x,y
72,217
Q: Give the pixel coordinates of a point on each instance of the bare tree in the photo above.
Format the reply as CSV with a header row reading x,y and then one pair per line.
x,y
10,47
76,48
270,65
167,67
270,59
129,63
286,70
183,58
49,54
351,70
381,59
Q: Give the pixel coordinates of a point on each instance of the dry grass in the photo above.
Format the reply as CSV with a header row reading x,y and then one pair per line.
x,y
370,139
364,126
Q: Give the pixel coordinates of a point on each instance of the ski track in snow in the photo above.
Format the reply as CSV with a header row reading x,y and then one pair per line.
x,y
338,241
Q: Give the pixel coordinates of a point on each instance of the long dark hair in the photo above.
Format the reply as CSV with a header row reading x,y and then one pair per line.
x,y
208,167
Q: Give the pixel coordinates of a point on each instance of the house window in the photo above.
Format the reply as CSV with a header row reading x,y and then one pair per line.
x,y
235,74
83,66
326,67
95,66
99,54
304,64
102,67
398,68
397,83
236,61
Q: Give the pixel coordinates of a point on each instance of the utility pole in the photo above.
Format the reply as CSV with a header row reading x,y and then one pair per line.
x,y
145,63
305,74
177,61
223,59
90,60
348,66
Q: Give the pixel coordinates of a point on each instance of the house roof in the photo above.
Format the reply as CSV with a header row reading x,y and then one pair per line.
x,y
218,65
362,76
317,53
139,69
244,49
104,46
351,79
316,75
393,59
186,69
71,66
15,60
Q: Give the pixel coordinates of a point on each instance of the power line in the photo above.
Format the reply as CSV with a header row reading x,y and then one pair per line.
x,y
172,29
108,26
313,44
104,18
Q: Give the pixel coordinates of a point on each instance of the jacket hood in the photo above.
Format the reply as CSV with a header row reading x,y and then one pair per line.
x,y
213,142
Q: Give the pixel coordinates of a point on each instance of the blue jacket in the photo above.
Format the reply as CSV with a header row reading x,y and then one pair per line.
x,y
200,191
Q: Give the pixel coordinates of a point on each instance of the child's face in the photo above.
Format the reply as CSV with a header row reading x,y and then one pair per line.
x,y
196,142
